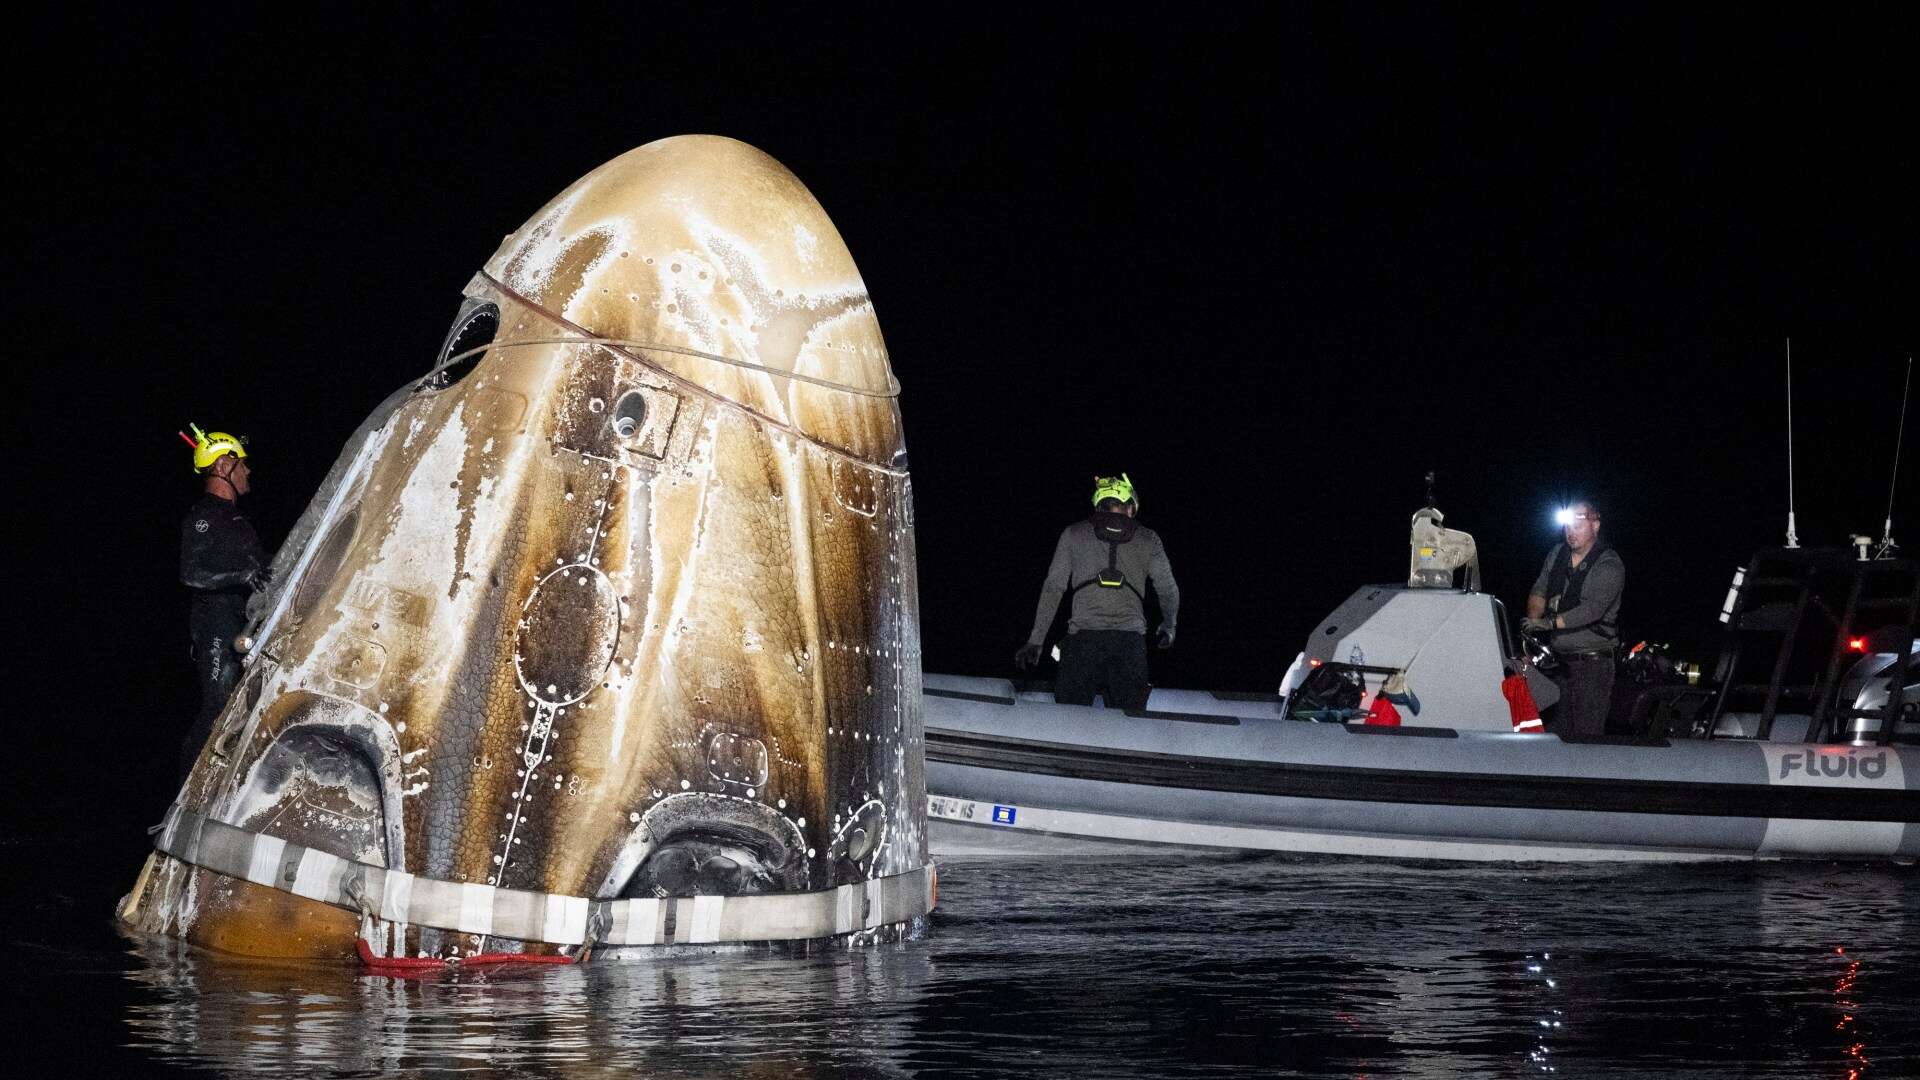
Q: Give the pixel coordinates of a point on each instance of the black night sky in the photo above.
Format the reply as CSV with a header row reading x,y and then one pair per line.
x,y
1275,269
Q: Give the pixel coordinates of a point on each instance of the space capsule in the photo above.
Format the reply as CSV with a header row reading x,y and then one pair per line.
x,y
601,635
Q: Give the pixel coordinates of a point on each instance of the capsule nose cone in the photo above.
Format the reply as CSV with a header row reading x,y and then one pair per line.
x,y
713,262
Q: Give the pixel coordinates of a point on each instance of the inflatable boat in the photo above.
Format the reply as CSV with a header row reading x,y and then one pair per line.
x,y
1406,728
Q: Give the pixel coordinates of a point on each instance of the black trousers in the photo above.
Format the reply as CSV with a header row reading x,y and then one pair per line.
x,y
216,668
1111,663
1586,691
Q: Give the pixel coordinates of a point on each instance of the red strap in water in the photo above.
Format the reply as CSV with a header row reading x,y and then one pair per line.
x,y
514,958
426,965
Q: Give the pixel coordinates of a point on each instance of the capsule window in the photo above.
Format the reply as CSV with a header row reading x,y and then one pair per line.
x,y
466,343
629,414
318,786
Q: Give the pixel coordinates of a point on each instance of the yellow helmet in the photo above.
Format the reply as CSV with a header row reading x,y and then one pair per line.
x,y
1113,487
210,446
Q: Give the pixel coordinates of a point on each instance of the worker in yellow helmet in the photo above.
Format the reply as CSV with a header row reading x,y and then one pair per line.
x,y
1106,562
222,563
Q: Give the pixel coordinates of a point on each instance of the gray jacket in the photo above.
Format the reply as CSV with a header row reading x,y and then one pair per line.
x,y
1080,557
1588,623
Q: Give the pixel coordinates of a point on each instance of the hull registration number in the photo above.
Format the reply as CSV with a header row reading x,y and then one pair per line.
x,y
942,806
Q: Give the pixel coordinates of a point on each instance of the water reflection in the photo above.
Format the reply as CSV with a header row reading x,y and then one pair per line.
x,y
692,1014
1164,965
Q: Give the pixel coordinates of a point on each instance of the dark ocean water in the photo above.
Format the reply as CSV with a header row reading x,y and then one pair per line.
x,y
1160,963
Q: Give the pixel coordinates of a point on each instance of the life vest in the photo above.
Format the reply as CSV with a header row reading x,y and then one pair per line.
x,y
1566,580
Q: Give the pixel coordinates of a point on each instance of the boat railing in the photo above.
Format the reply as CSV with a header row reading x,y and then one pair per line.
x,y
1799,619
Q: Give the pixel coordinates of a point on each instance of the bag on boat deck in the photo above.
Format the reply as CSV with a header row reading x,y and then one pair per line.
x,y
1382,713
1520,707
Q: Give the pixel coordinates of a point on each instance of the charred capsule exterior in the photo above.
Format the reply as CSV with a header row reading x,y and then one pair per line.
x,y
616,606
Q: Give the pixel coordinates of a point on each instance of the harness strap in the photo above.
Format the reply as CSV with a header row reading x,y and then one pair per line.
x,y
376,892
1113,571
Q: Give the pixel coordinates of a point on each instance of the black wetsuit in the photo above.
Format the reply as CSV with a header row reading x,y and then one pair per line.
x,y
220,559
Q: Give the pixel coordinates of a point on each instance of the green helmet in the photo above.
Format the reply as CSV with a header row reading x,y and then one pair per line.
x,y
1114,487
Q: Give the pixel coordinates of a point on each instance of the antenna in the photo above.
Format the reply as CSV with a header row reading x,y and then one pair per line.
x,y
1430,471
1792,540
1886,528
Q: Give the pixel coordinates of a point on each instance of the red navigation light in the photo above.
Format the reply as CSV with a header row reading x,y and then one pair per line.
x,y
1857,644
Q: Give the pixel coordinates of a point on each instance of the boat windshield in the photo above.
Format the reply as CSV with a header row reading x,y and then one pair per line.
x,y
1509,647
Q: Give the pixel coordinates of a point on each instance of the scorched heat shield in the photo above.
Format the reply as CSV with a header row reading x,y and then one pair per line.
x,y
605,631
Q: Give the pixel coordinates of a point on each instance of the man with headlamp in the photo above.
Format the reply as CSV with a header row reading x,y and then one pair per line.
x,y
1575,606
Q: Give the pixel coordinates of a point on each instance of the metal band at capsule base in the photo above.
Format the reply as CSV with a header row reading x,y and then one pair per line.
x,y
549,918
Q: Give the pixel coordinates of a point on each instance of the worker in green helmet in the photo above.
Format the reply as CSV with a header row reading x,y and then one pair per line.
x,y
221,564
1107,562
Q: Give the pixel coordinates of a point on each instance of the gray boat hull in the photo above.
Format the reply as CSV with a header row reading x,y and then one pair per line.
x,y
1226,771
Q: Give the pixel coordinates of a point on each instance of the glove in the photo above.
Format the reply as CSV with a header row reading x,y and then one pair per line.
x,y
1027,657
260,579
1536,625
1165,639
